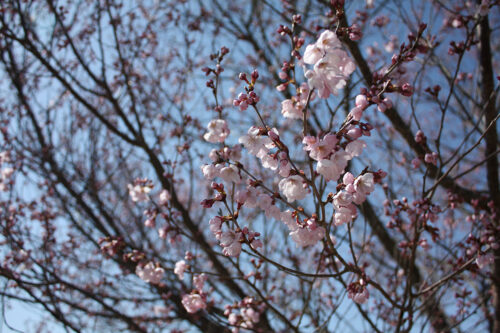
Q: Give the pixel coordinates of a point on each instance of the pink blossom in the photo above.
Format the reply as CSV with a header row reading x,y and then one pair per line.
x,y
355,32
415,163
150,273
356,113
420,137
269,162
307,236
139,192
365,183
251,197
360,297
288,219
7,173
332,168
199,281
209,171
164,197
233,153
292,108
342,199
361,101
249,316
327,41
256,144
180,268
355,148
216,226
273,211
303,235
193,303
230,241
293,188
230,174
342,215
240,196
217,131
320,148
484,260
330,73
384,105
284,168
256,243
332,65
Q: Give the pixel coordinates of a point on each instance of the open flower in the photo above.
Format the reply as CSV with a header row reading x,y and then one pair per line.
x,y
293,188
193,303
217,131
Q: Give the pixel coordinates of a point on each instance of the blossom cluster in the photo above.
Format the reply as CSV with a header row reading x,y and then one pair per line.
x,y
150,272
332,65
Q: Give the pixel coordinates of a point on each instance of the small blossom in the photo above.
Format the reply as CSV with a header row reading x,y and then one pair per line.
x,y
230,174
209,171
256,144
293,188
193,303
306,236
180,268
355,148
332,168
343,215
199,281
217,131
216,226
320,148
150,273
484,260
332,65
139,192
230,241
365,183
164,197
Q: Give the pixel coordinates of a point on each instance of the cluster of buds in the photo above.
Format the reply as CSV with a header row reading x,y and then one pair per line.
x,y
244,100
250,97
219,196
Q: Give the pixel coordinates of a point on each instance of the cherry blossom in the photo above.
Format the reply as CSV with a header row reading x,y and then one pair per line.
x,y
292,108
217,131
164,197
231,244
139,192
199,281
320,148
303,234
180,268
484,260
293,188
230,174
256,144
216,226
193,303
332,168
332,65
150,273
